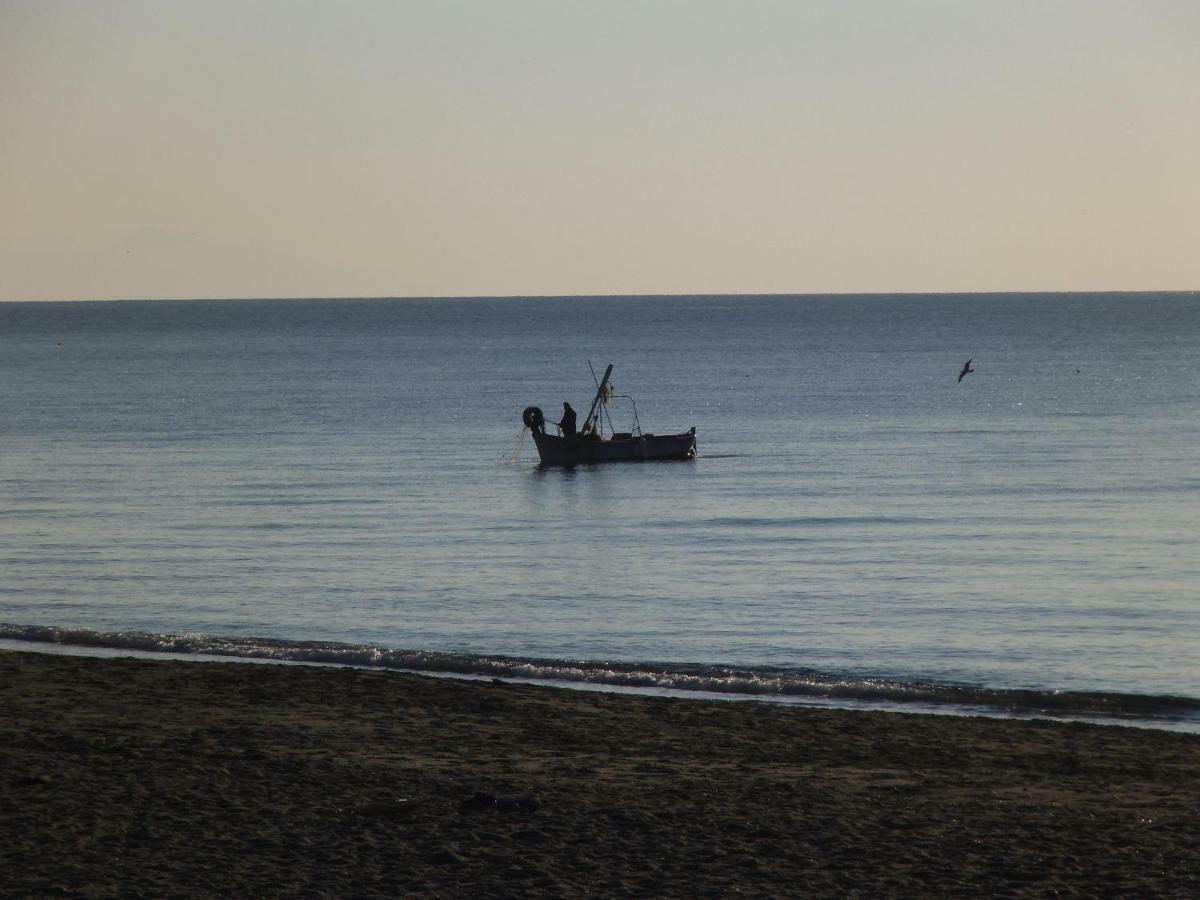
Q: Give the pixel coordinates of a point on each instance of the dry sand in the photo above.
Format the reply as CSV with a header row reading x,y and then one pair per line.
x,y
127,778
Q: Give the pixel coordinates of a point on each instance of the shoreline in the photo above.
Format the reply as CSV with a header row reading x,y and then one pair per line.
x,y
138,777
1166,712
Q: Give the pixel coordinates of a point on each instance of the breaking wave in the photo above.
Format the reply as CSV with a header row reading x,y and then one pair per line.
x,y
798,685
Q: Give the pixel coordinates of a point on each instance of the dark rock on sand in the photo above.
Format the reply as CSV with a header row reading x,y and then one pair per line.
x,y
481,800
444,858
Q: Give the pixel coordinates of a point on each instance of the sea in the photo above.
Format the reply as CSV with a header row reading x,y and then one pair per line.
x,y
349,482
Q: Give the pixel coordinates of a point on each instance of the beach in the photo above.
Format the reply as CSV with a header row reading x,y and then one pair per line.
x,y
132,777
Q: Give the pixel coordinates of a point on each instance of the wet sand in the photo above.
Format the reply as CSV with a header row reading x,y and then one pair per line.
x,y
127,778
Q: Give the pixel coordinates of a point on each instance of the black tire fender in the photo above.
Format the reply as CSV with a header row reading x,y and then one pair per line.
x,y
533,418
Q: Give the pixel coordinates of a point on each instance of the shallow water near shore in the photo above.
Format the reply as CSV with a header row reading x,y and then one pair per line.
x,y
294,479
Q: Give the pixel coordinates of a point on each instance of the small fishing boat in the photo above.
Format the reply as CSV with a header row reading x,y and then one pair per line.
x,y
593,444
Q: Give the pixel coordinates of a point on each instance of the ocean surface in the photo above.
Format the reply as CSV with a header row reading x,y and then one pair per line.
x,y
346,481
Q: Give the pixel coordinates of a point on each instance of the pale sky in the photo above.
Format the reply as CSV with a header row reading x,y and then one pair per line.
x,y
268,148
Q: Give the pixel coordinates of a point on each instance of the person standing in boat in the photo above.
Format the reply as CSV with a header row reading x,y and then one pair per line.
x,y
568,420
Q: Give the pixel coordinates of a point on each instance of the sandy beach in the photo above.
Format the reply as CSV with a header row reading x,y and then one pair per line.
x,y
133,777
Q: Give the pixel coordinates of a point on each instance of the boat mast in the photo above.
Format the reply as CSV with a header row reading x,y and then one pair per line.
x,y
592,413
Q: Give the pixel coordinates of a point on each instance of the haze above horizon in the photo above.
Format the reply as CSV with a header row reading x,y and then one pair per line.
x,y
530,148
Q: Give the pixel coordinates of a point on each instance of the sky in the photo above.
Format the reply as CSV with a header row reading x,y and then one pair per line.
x,y
288,148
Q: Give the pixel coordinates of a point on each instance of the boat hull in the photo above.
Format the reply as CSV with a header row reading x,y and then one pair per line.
x,y
561,451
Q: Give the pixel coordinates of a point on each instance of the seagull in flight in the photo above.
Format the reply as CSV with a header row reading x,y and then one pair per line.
x,y
966,370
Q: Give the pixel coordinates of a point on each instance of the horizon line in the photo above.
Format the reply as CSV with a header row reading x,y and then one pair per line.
x,y
607,296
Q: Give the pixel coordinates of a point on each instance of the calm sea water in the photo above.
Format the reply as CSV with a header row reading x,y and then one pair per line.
x,y
336,480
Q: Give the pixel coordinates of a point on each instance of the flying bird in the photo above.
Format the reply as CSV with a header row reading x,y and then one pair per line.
x,y
966,370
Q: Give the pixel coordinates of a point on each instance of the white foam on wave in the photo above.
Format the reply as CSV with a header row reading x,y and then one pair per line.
x,y
685,680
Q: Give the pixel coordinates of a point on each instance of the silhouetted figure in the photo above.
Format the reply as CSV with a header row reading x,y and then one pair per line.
x,y
967,369
568,420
